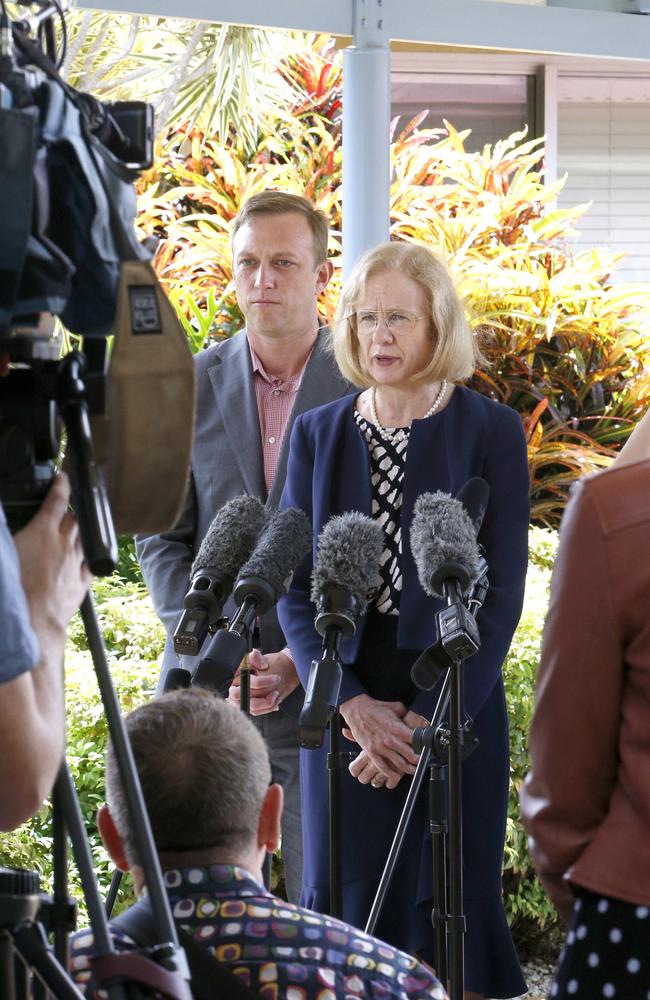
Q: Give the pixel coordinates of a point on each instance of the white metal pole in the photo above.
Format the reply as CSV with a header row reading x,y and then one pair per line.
x,y
366,139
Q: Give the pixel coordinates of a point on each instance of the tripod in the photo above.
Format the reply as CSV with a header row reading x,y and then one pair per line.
x,y
442,746
164,970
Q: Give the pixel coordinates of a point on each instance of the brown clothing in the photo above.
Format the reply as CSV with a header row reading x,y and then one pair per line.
x,y
586,802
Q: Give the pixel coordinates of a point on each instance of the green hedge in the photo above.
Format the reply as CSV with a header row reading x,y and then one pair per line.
x,y
528,907
135,638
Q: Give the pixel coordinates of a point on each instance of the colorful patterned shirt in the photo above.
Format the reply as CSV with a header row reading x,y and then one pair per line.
x,y
283,951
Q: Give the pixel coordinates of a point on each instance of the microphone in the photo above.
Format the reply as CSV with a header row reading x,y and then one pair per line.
x,y
229,541
176,679
449,565
263,579
347,570
443,538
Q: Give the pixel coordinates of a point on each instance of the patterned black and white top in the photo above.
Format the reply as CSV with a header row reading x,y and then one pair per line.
x,y
387,461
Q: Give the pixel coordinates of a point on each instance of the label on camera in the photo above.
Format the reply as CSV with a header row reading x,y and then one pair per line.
x,y
145,315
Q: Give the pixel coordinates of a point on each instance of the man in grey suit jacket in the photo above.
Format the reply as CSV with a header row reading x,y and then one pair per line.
x,y
250,389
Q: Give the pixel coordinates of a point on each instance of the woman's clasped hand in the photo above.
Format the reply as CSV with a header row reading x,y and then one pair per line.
x,y
383,730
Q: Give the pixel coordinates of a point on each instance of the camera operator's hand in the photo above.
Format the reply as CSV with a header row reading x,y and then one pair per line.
x,y
55,579
52,568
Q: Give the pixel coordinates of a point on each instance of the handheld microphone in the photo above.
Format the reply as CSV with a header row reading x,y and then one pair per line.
x,y
347,570
228,543
262,581
449,565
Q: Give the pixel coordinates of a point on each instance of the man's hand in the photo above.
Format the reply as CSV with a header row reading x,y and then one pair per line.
x,y
52,568
273,678
379,729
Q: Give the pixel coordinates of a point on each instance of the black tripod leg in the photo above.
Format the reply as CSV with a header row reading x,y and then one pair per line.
x,y
113,892
438,824
334,787
165,928
14,974
456,922
69,804
245,687
60,879
407,811
267,870
32,944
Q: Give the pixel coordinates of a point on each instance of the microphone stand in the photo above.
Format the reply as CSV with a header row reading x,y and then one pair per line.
x,y
245,685
232,646
441,746
335,621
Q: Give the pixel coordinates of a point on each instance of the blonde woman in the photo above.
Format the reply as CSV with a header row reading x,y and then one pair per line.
x,y
401,334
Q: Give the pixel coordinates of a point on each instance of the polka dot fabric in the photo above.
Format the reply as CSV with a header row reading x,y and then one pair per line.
x,y
607,951
285,952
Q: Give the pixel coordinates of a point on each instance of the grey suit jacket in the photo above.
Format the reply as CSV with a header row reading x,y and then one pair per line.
x,y
227,461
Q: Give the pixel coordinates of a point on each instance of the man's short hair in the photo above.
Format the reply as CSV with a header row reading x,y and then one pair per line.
x,y
280,203
204,771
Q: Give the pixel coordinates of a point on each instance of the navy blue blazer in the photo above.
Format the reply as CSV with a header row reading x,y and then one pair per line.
x,y
328,473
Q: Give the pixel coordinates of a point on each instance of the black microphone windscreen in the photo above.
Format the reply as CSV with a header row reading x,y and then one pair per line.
x,y
176,679
231,537
474,496
443,543
284,543
347,555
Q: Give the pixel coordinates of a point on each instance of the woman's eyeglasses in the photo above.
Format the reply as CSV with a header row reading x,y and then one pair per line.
x,y
398,321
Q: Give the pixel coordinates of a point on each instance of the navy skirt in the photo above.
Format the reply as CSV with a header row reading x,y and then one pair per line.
x,y
369,817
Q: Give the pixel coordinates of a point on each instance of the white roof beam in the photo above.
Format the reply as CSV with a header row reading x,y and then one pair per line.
x,y
469,23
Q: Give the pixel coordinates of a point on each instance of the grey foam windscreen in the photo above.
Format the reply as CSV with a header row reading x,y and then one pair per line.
x,y
348,551
232,535
285,542
443,541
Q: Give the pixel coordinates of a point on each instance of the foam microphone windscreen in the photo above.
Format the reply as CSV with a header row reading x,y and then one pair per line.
x,y
232,536
348,551
443,543
286,540
144,441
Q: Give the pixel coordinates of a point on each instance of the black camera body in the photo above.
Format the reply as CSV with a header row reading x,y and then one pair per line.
x,y
30,438
68,208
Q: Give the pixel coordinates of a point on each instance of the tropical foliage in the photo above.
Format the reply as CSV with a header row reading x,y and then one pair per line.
x,y
253,110
567,345
222,76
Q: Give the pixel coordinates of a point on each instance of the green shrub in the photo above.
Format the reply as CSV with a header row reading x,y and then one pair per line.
x,y
526,901
134,638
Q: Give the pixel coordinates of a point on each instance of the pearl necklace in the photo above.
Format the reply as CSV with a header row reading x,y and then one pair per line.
x,y
387,435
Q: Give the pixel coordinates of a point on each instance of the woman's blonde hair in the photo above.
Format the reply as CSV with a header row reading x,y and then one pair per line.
x,y
455,353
